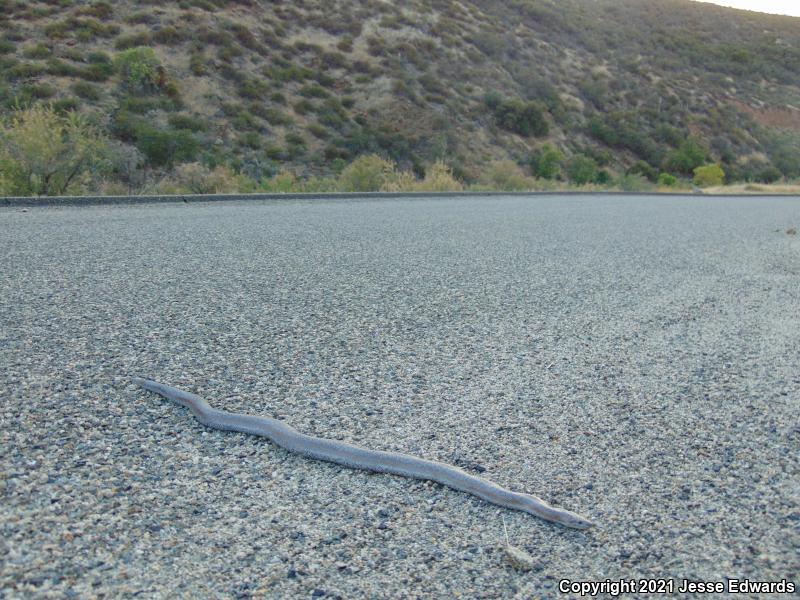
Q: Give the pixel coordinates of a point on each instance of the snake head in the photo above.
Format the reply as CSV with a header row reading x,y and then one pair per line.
x,y
574,521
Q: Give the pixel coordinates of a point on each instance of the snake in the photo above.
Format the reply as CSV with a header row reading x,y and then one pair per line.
x,y
356,457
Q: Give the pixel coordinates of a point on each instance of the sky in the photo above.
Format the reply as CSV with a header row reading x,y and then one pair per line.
x,y
779,7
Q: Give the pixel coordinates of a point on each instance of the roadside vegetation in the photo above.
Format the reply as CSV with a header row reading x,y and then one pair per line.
x,y
108,98
47,152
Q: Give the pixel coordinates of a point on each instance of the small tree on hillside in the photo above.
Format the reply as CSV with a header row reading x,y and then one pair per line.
x,y
44,153
685,159
548,164
140,69
709,175
582,169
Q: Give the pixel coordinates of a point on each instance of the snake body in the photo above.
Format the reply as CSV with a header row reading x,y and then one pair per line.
x,y
360,458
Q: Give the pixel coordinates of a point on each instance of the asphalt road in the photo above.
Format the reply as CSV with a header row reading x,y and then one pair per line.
x,y
633,359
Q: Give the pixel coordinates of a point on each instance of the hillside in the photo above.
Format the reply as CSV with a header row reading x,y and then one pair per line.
x,y
652,86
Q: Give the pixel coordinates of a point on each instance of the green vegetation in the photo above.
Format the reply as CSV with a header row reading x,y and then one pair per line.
x,y
522,94
518,116
140,69
708,175
45,153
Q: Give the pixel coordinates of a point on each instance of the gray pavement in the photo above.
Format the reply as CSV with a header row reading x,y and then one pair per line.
x,y
636,360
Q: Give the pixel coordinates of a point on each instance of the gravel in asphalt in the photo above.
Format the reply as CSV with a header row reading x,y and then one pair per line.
x,y
631,359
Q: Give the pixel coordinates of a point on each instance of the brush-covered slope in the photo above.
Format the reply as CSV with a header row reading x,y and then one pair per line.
x,y
310,84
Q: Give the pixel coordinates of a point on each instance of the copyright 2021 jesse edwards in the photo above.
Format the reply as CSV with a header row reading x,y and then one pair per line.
x,y
669,587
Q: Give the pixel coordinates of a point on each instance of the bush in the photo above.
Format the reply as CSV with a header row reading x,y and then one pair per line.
x,y
45,153
708,175
164,148
132,40
197,64
86,90
667,180
100,67
188,122
581,169
643,168
39,51
139,68
685,159
194,178
769,174
506,176
368,173
634,183
169,36
318,131
524,118
439,178
547,163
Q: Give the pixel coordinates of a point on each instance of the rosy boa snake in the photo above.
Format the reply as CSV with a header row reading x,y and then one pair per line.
x,y
360,458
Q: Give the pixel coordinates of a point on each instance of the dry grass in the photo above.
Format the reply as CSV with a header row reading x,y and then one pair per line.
x,y
754,189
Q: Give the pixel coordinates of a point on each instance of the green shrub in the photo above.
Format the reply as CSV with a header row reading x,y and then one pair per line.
x,y
86,90
506,176
318,131
301,107
40,91
685,159
39,51
165,148
65,105
313,91
61,69
634,183
769,174
251,140
295,139
132,40
100,10
23,70
603,177
667,180
168,36
547,163
45,153
332,114
523,118
581,169
139,68
253,88
6,47
643,168
188,122
708,175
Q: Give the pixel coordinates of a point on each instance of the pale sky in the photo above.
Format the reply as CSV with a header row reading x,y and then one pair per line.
x,y
778,7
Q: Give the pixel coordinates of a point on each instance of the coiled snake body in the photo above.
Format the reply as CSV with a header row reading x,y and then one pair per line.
x,y
360,458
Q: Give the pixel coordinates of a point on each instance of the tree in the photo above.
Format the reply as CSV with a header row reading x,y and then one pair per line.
x,y
548,165
685,159
708,175
582,169
45,153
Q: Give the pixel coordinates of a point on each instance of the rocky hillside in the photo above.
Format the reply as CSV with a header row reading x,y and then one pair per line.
x,y
649,85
